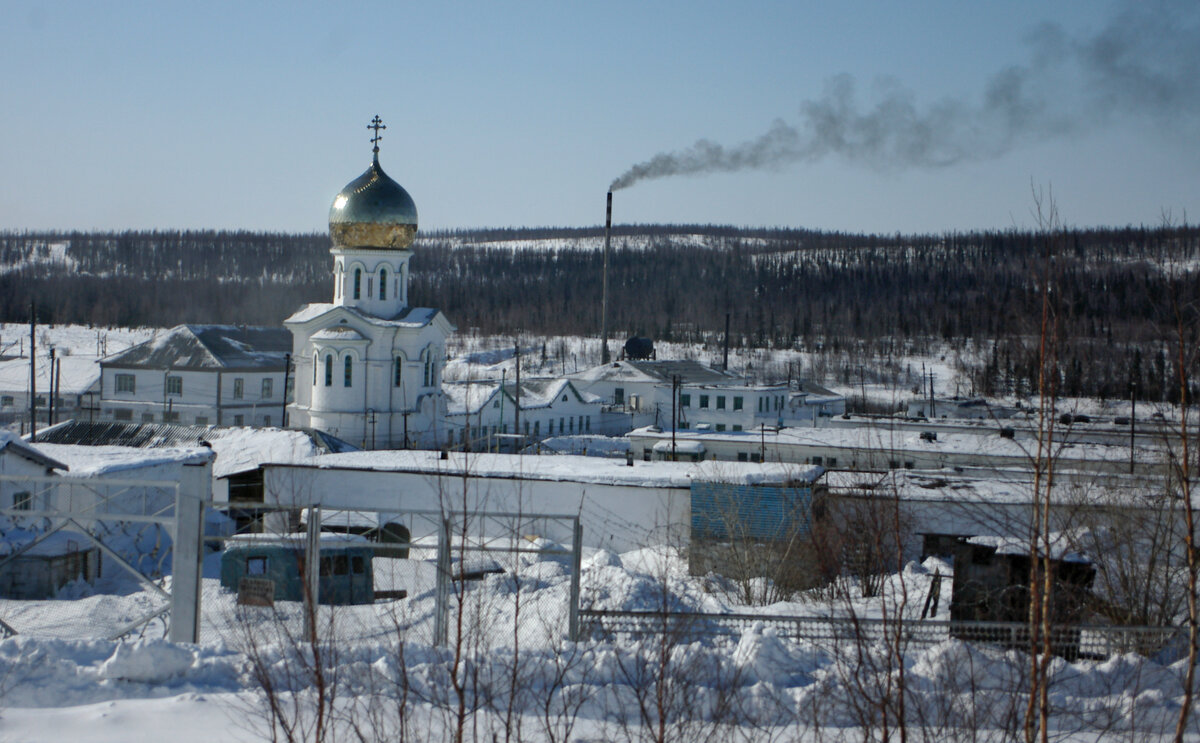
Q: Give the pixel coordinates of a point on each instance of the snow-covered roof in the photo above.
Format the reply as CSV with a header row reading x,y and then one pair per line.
x,y
882,439
94,461
656,372
209,347
463,398
238,448
338,333
76,374
679,447
11,443
542,392
409,317
567,468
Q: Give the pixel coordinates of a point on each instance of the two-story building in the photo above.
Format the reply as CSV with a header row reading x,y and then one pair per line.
x,y
200,375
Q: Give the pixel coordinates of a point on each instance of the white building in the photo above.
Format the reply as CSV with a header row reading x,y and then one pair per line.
x,y
198,375
76,381
368,366
547,407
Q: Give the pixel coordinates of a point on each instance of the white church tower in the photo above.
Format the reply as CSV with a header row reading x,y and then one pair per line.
x,y
368,366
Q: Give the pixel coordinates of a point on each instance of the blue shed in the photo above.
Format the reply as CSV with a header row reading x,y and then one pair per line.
x,y
345,571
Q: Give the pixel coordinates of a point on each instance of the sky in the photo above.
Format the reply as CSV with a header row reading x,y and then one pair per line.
x,y
854,116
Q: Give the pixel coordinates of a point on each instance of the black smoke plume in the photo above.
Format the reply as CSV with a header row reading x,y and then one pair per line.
x,y
1144,62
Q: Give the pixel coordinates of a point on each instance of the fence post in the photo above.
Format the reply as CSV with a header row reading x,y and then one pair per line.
x,y
576,567
312,570
441,624
195,490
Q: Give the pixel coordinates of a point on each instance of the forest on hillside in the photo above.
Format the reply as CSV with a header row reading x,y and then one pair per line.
x,y
1115,292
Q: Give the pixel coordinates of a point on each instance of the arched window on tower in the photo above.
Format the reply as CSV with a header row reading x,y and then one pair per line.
x,y
398,373
383,283
349,370
329,371
316,360
358,283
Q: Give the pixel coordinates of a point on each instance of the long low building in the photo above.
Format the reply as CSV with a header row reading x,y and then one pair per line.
x,y
881,448
621,505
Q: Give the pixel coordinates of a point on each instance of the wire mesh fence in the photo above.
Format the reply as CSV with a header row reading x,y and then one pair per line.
x,y
85,557
1070,641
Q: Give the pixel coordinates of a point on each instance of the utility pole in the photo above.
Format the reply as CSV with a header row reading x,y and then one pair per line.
x,y
32,371
517,407
503,378
674,415
50,405
287,367
1132,420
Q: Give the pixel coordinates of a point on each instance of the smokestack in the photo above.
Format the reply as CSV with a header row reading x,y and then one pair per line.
x,y
604,288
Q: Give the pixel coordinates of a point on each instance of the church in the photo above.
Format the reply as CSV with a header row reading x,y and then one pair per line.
x,y
368,365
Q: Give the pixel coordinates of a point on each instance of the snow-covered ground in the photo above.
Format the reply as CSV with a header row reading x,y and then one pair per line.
x,y
759,685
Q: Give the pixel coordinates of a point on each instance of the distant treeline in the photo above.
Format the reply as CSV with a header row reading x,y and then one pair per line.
x,y
1115,291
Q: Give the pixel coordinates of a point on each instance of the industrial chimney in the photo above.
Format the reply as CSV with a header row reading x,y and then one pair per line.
x,y
604,287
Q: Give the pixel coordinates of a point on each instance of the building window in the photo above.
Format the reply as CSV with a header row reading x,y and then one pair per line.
x,y
720,426
266,420
358,283
832,462
125,383
239,420
817,461
743,457
588,422
720,402
550,428
256,566
737,403
171,416
268,386
23,501
147,417
239,388
122,414
399,371
175,386
685,400
429,378
202,420
329,371
704,401
619,396
383,283
370,286
349,376
6,401
737,427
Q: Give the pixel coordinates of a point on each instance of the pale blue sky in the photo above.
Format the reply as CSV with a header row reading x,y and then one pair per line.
x,y
253,115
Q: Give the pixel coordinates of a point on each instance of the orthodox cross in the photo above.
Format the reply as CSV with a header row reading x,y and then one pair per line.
x,y
376,124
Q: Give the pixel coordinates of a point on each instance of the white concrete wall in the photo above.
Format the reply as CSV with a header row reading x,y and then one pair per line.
x,y
616,517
